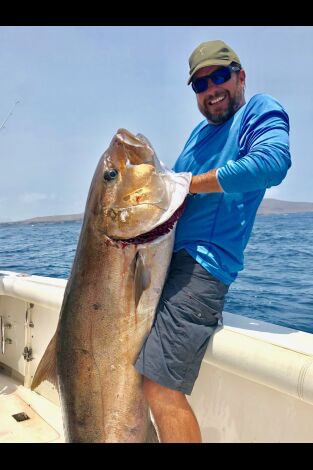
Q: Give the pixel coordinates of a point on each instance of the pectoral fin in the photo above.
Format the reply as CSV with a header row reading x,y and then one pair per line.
x,y
46,369
142,277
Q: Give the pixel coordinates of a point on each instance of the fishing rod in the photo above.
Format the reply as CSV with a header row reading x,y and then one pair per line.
x,y
8,116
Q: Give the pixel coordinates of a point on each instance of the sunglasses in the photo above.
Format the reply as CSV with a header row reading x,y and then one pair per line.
x,y
218,77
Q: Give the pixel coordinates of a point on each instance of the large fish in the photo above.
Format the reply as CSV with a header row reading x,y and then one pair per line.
x,y
109,303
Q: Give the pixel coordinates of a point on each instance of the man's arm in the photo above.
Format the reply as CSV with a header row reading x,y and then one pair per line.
x,y
205,183
265,163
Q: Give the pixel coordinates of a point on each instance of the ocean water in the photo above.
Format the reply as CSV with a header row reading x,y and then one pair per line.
x,y
276,285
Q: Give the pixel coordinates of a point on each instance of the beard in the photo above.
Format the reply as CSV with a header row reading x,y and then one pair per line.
x,y
219,117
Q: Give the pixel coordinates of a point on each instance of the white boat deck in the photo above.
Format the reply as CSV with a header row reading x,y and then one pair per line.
x,y
26,416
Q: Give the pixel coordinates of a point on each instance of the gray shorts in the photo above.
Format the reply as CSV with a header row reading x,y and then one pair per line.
x,y
188,312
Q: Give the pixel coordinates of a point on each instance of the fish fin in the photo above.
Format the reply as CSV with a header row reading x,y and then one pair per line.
x,y
152,434
142,277
46,369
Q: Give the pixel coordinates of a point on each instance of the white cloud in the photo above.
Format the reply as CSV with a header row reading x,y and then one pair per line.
x,y
30,198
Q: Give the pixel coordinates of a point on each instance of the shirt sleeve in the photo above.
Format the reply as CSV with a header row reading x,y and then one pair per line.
x,y
264,156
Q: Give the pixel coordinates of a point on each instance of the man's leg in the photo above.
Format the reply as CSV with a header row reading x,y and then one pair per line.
x,y
187,315
174,418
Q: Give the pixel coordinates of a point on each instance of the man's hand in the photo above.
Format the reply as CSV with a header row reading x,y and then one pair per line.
x,y
205,183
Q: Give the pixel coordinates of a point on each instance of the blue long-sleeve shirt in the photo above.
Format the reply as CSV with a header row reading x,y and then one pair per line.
x,y
251,153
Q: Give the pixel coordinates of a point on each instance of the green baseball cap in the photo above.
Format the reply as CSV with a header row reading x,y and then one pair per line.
x,y
211,53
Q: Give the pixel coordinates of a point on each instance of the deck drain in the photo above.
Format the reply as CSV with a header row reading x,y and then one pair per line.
x,y
20,417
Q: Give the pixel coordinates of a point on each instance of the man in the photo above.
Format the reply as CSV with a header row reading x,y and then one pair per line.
x,y
237,152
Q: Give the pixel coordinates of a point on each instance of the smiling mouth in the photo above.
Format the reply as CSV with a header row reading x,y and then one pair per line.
x,y
217,100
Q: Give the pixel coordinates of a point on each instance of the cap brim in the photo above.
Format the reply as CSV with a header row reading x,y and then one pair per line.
x,y
207,63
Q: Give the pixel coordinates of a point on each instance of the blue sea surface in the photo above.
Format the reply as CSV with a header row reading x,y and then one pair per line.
x,y
276,285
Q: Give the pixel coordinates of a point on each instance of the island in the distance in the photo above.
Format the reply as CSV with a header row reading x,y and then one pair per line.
x,y
268,206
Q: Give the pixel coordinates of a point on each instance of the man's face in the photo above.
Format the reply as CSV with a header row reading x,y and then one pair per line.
x,y
219,102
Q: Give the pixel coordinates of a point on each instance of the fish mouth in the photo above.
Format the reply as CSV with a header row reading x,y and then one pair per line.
x,y
157,231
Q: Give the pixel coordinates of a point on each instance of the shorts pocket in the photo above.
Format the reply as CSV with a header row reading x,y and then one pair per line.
x,y
199,310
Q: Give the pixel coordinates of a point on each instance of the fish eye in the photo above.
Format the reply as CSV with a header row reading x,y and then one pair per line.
x,y
110,175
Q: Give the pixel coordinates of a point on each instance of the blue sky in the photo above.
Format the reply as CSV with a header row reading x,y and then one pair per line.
x,y
77,85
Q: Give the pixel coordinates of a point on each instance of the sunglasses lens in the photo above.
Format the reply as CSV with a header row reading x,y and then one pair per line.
x,y
221,76
218,77
200,85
